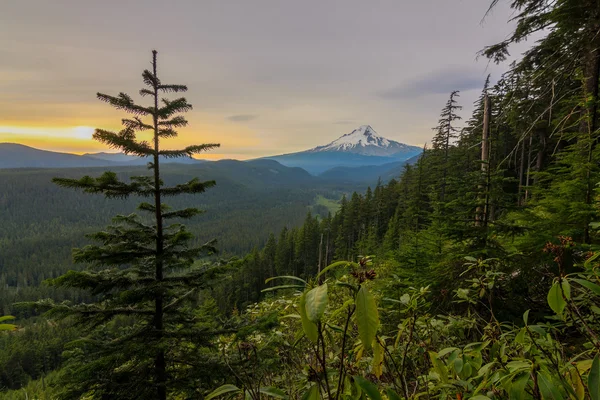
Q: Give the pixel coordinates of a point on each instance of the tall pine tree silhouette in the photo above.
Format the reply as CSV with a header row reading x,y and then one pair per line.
x,y
142,273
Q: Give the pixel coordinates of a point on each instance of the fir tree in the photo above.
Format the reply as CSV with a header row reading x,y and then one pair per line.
x,y
446,133
143,270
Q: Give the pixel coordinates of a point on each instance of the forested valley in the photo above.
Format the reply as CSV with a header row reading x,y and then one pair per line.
x,y
472,275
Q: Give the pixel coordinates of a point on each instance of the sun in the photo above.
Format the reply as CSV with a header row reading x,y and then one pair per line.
x,y
83,132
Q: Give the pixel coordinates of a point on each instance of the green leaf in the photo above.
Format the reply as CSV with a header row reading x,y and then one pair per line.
x,y
311,394
594,379
368,387
566,288
6,318
392,395
466,372
273,392
447,350
517,365
479,397
458,365
316,302
555,299
221,391
548,389
7,327
286,277
526,317
310,328
577,383
593,258
335,265
520,338
589,285
378,352
518,385
367,317
439,367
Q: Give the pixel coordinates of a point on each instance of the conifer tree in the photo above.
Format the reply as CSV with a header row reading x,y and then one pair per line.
x,y
143,272
446,133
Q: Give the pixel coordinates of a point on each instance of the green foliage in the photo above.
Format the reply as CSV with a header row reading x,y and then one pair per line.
x,y
7,327
367,318
315,303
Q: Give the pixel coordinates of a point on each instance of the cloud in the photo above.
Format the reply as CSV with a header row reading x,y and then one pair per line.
x,y
242,117
438,82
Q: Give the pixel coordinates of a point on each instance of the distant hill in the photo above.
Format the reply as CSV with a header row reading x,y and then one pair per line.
x,y
251,200
14,155
19,156
125,159
361,147
368,174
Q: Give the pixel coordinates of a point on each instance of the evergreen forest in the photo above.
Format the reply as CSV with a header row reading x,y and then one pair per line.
x,y
473,274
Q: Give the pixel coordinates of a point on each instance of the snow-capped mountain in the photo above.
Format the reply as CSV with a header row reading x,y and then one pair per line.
x,y
364,140
361,147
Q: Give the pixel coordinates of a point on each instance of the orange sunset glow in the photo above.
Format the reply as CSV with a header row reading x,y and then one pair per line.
x,y
78,139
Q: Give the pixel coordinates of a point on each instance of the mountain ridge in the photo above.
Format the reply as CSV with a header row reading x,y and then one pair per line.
x,y
15,155
361,147
365,141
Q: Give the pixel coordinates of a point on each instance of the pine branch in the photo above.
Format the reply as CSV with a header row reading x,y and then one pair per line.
x,y
150,80
107,184
104,281
172,88
175,122
172,107
102,256
167,133
136,124
188,151
192,187
184,214
146,92
125,103
125,141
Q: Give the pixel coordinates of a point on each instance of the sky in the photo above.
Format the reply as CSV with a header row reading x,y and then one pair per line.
x,y
265,77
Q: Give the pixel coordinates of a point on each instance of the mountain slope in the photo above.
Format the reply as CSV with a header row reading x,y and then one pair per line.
x,y
365,141
369,173
124,159
361,147
14,155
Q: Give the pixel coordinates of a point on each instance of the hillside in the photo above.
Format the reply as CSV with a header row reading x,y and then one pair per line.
x,y
18,156
251,200
369,173
14,155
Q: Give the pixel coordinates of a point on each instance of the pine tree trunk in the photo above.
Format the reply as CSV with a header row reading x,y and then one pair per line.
x,y
320,256
446,149
160,362
528,168
481,212
521,171
539,163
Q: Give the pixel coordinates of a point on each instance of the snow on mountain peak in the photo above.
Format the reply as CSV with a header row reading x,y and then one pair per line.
x,y
363,140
